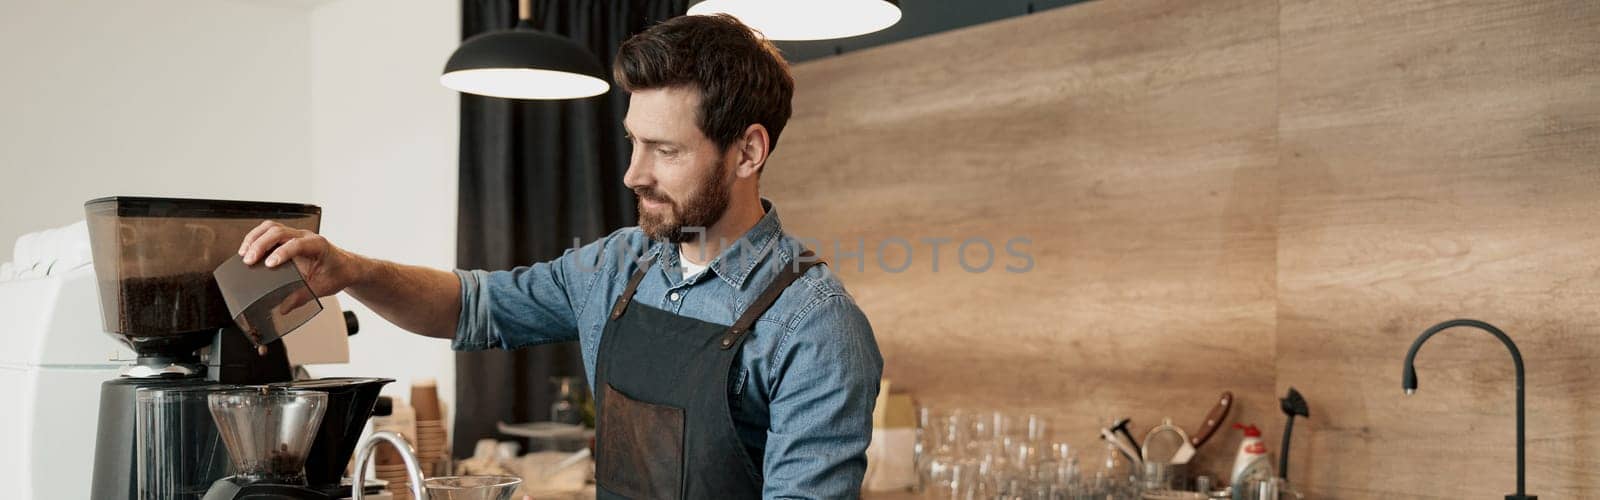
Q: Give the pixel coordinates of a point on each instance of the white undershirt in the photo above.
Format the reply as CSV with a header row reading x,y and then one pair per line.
x,y
690,269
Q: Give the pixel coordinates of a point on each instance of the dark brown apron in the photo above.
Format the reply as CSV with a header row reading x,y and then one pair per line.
x,y
661,388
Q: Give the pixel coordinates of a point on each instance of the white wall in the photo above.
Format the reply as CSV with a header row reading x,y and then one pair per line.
x,y
384,135
194,98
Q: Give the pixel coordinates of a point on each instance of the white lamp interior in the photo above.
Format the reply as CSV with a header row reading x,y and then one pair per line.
x,y
514,83
806,19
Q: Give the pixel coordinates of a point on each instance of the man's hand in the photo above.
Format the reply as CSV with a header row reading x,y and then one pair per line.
x,y
327,269
418,299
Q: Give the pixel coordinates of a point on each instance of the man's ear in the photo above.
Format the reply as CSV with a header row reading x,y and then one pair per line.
x,y
752,146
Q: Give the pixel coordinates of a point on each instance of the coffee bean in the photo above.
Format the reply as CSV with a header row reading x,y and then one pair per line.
x,y
163,306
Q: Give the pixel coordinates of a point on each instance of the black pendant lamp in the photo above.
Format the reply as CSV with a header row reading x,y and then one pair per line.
x,y
524,63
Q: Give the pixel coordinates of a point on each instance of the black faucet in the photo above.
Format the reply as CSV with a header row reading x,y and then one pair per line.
x,y
1409,382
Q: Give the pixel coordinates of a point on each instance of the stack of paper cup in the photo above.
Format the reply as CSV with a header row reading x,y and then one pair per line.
x,y
433,444
391,467
393,415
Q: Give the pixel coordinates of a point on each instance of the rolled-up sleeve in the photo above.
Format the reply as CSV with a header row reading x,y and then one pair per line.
x,y
527,305
472,327
828,368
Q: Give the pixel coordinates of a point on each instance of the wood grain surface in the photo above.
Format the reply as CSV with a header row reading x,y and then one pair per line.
x,y
1140,169
1233,194
1441,160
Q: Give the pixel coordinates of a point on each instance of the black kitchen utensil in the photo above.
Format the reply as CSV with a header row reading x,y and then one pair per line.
x,y
1293,404
1110,436
1121,427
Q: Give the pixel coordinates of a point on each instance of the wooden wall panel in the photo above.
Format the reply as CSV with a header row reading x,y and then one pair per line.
x,y
1441,160
1141,168
1237,194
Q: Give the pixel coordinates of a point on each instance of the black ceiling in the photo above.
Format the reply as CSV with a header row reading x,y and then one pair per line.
x,y
922,17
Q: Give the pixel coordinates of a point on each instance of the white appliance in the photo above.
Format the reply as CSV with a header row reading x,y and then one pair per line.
x,y
53,357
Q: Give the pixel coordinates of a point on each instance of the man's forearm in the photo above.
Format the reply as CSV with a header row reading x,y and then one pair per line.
x,y
418,299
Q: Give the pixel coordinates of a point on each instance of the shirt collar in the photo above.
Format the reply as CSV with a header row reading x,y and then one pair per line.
x,y
735,264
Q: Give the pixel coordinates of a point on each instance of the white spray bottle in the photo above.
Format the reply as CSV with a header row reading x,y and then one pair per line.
x,y
1252,456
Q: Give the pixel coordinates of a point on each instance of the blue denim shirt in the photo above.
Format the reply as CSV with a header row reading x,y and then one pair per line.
x,y
803,387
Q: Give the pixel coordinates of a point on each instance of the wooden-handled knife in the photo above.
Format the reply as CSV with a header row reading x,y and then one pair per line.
x,y
1214,420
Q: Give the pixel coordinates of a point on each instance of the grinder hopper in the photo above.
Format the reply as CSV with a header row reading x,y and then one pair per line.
x,y
154,257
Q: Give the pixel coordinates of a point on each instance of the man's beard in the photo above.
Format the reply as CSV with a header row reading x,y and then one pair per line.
x,y
697,213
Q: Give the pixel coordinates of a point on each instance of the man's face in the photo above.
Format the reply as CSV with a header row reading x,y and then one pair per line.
x,y
679,175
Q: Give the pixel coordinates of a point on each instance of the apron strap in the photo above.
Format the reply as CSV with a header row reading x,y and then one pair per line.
x,y
791,272
633,285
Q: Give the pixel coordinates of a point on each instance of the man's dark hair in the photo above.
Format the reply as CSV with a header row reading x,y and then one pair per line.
x,y
741,77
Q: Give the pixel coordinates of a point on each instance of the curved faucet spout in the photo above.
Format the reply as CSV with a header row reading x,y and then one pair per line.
x,y
1408,381
358,477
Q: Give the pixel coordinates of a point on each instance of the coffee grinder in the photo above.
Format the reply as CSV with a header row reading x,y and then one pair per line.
x,y
157,434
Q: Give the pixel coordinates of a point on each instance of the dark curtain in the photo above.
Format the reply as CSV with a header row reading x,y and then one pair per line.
x,y
535,175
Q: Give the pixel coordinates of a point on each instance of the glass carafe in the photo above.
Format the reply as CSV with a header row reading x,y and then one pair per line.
x,y
471,487
268,430
179,451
